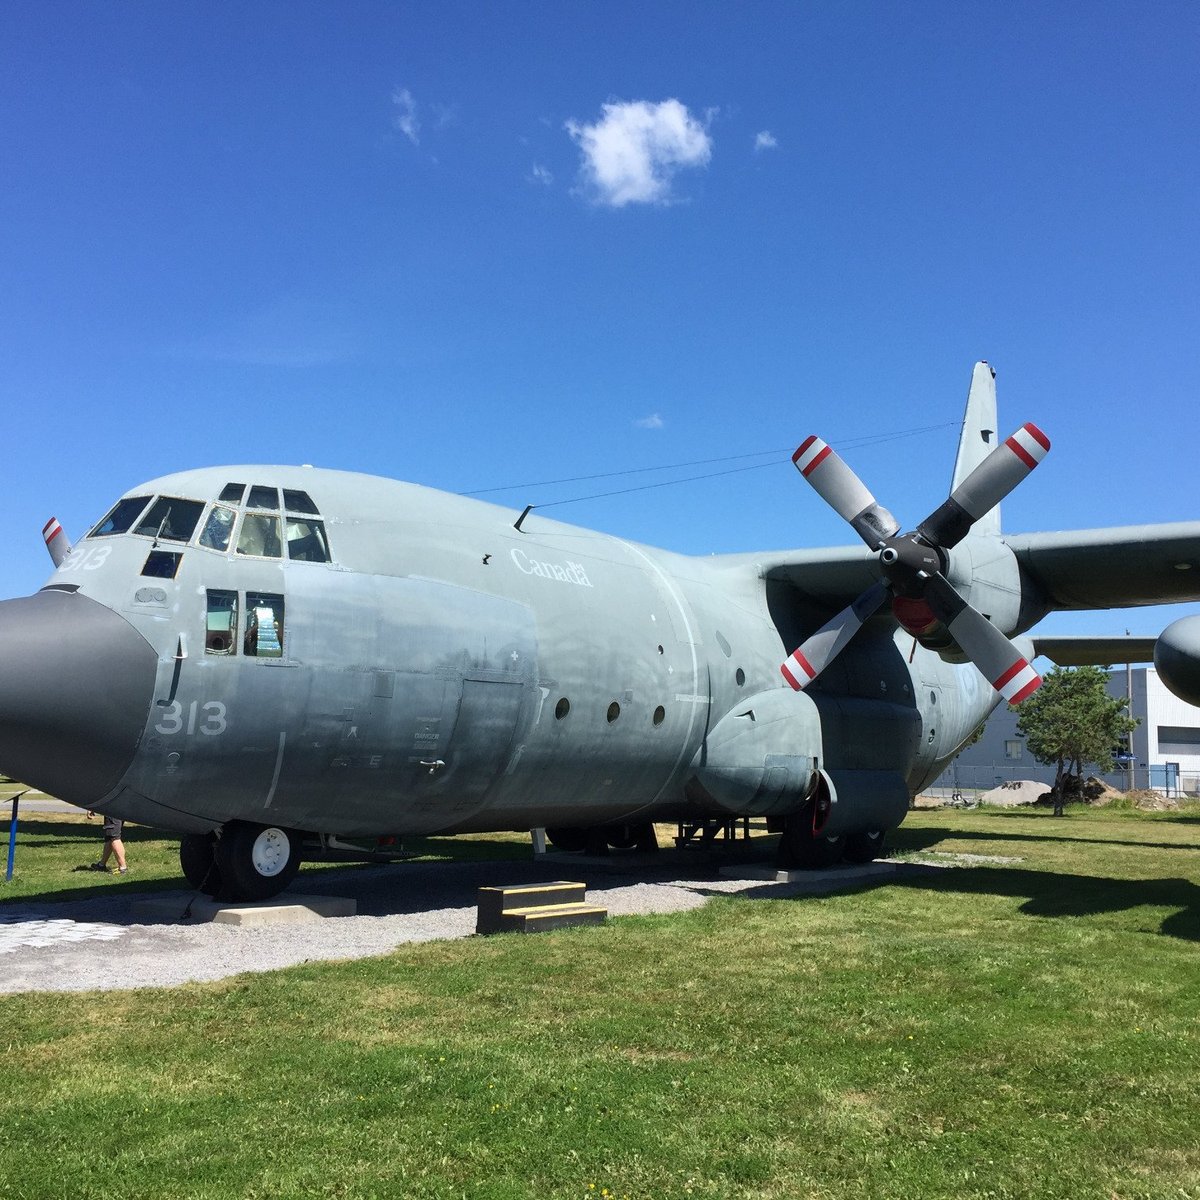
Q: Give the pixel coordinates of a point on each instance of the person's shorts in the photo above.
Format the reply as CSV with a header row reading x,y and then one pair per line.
x,y
112,827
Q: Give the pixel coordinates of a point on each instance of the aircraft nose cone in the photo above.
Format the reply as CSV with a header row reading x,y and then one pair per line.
x,y
1177,658
76,683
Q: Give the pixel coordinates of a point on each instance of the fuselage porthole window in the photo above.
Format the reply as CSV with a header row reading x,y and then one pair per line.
x,y
264,625
220,633
218,528
171,519
263,497
121,517
306,540
259,536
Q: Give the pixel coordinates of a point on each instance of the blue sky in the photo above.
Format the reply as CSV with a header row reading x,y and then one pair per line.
x,y
482,245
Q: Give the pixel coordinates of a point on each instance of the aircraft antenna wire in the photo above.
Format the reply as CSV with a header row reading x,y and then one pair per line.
x,y
773,460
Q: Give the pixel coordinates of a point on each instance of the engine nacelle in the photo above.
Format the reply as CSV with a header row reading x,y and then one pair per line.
x,y
762,758
1177,658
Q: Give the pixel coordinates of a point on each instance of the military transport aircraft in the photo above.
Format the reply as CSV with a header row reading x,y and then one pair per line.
x,y
284,663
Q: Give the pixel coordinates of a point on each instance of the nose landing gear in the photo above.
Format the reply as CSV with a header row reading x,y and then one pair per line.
x,y
245,861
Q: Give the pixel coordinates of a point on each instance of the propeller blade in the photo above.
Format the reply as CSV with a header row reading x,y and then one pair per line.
x,y
1002,664
985,487
56,540
806,662
844,492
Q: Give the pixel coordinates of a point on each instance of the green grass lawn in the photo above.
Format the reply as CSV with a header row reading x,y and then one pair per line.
x,y
1027,1030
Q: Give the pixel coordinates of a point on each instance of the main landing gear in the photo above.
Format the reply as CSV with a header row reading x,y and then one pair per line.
x,y
245,861
804,847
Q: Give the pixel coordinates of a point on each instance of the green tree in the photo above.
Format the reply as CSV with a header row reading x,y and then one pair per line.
x,y
1071,722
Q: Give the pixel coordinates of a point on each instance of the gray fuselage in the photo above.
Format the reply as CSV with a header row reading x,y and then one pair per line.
x,y
394,660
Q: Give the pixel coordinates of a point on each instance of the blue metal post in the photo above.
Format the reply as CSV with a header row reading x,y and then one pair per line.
x,y
12,836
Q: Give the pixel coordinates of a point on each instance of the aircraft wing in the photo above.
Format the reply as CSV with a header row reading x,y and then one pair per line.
x,y
1084,650
829,577
1122,567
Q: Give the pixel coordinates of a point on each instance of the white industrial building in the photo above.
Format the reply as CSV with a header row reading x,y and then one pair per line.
x,y
1165,746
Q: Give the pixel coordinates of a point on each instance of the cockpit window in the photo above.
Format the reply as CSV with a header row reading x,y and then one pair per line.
x,y
122,516
218,528
232,493
299,502
171,519
260,536
162,564
263,497
306,540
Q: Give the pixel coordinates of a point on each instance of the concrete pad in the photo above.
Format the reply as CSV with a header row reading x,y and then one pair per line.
x,y
294,910
830,879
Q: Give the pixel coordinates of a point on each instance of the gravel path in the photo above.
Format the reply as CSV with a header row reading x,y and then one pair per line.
x,y
100,943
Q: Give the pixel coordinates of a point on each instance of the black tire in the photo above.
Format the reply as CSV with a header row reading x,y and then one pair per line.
x,y
624,837
198,861
256,861
865,847
562,837
802,849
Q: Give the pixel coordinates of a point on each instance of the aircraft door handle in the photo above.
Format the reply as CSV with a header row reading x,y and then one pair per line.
x,y
434,764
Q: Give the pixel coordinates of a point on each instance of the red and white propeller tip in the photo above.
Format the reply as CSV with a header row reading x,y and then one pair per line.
x,y
843,491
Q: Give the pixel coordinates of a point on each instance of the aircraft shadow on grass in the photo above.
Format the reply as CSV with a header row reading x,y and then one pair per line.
x,y
1058,894
908,838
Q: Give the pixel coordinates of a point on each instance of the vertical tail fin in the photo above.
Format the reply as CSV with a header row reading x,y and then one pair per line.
x,y
978,437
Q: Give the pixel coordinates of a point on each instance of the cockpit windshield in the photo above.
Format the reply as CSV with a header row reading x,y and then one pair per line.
x,y
171,519
121,517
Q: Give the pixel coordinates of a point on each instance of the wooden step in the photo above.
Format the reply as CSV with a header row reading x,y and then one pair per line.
x,y
526,907
552,916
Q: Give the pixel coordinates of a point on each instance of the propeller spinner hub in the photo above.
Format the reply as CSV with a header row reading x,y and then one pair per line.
x,y
907,562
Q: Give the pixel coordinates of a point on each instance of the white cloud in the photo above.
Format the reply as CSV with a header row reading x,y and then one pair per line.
x,y
765,140
631,155
405,118
540,174
653,421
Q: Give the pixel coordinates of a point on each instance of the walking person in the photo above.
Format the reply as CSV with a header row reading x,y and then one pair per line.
x,y
113,845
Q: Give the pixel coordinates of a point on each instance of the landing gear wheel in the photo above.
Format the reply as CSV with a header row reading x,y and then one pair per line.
x,y
865,847
805,850
198,861
256,861
562,837
624,837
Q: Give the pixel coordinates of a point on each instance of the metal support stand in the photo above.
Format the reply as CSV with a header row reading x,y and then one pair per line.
x,y
12,836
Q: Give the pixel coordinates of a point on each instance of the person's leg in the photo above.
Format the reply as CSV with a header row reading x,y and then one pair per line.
x,y
118,848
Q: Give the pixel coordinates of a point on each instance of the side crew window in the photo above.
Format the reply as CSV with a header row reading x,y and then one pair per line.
x,y
260,536
306,540
264,625
218,528
220,633
122,516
